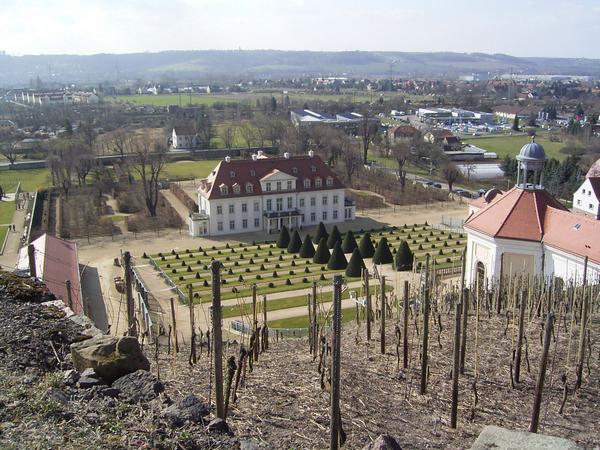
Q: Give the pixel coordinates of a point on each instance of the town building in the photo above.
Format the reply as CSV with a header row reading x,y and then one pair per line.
x,y
350,122
7,126
508,112
264,194
586,199
403,132
527,232
184,138
57,265
444,138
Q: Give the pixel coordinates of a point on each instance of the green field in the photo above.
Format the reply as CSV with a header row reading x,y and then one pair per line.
x,y
348,314
3,231
185,170
31,179
7,210
511,145
174,99
275,270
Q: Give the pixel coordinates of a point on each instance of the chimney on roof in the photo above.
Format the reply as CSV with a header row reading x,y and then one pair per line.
x,y
311,153
228,159
286,155
254,156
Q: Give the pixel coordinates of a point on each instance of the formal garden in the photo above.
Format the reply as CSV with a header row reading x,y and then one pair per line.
x,y
291,263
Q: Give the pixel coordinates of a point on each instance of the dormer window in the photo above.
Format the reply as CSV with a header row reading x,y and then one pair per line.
x,y
236,188
313,169
329,181
249,187
279,185
224,190
268,187
252,172
318,182
289,185
306,183
294,170
232,174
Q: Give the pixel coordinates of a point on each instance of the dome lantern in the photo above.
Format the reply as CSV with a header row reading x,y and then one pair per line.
x,y
530,166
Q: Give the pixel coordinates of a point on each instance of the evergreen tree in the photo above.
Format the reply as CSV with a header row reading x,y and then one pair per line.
x,y
337,260
321,232
334,237
284,238
382,254
356,264
308,249
349,242
295,243
404,258
515,125
322,253
366,246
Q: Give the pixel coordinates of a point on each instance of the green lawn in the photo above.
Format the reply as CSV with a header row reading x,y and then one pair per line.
x,y
3,231
511,145
348,314
185,170
174,99
7,210
31,179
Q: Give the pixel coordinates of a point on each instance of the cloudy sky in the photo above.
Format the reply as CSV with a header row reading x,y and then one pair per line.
x,y
520,28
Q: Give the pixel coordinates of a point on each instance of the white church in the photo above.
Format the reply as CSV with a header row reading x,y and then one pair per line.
x,y
526,231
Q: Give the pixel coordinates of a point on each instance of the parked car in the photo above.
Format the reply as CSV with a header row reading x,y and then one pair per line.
x,y
437,185
465,194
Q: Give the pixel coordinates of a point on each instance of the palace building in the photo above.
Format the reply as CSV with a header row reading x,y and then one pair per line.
x,y
264,194
527,232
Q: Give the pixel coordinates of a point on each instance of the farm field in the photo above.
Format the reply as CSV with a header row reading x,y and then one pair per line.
x,y
275,270
511,145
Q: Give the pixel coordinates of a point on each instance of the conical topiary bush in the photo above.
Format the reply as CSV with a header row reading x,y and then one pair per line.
x,y
308,249
284,238
334,237
404,258
366,246
383,255
322,253
349,242
295,243
337,260
356,264
321,232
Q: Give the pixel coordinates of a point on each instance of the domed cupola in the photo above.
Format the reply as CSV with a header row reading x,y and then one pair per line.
x,y
531,160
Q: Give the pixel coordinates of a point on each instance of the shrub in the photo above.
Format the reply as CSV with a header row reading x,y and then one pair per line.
x,y
174,271
306,270
284,238
277,266
349,242
270,253
241,279
168,266
356,264
251,261
258,277
366,246
440,252
219,252
291,272
230,271
262,267
181,278
177,256
322,254
227,258
288,282
162,258
382,254
197,276
420,246
271,284
275,274
305,280
234,290
308,249
445,243
204,267
293,264
196,295
199,262
295,243
321,233
448,260
322,277
337,260
404,258
247,270
189,269
145,256
334,237
205,284
280,258
236,264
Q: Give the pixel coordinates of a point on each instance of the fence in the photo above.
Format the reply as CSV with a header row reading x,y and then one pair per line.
x,y
455,225
182,297
244,328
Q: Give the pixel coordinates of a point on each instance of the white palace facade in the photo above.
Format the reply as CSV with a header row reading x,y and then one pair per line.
x,y
264,194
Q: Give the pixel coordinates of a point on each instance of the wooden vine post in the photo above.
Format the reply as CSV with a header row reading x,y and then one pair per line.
x,y
313,321
192,324
265,328
310,328
405,325
335,419
131,327
217,337
383,312
426,307
255,323
518,351
368,304
582,328
539,387
455,366
175,341
463,344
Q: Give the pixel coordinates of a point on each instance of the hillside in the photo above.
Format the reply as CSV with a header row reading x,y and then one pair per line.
x,y
214,64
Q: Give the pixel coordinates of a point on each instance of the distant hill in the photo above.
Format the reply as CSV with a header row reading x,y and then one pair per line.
x,y
214,64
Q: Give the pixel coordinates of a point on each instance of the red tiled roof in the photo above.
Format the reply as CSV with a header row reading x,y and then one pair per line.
x,y
518,214
403,130
184,131
572,233
441,133
242,168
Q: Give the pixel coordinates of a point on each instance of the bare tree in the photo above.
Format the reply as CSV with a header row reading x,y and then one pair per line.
x,y
228,135
122,145
292,141
204,129
352,162
248,133
451,174
9,151
401,153
61,162
150,158
367,130
84,162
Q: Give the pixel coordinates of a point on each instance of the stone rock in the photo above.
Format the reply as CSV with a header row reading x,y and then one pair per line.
x,y
189,409
109,392
249,445
139,386
383,442
111,357
502,438
89,378
70,377
218,425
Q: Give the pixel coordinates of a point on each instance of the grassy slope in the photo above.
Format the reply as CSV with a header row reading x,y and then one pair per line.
x,y
31,179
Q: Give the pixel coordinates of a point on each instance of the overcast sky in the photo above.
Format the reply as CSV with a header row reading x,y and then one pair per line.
x,y
520,28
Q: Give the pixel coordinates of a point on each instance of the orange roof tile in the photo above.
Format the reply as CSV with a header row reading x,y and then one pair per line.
x,y
572,233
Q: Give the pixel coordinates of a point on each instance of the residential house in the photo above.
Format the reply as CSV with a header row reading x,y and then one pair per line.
x,y
444,138
586,199
403,132
7,126
184,138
